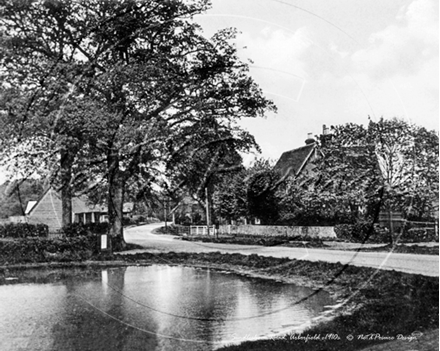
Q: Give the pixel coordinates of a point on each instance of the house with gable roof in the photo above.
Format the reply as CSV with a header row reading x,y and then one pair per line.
x,y
294,162
48,210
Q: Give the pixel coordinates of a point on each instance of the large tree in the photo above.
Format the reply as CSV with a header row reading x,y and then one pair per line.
x,y
199,167
144,66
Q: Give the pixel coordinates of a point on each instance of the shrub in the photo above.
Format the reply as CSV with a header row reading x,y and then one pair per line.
x,y
46,250
413,235
313,218
80,229
173,229
361,231
23,230
128,221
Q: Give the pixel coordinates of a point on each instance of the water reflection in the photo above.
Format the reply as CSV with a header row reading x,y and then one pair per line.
x,y
147,308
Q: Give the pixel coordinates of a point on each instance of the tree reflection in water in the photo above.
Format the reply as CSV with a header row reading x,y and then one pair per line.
x,y
151,308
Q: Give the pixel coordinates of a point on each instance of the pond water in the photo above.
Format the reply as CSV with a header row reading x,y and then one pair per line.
x,y
147,308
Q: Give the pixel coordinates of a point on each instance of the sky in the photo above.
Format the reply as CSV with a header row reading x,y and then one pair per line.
x,y
333,62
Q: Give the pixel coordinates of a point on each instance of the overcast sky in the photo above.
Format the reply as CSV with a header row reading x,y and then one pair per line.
x,y
334,61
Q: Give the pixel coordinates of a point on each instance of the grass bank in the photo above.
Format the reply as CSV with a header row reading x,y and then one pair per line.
x,y
384,303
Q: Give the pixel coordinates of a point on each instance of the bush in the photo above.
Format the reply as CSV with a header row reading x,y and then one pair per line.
x,y
23,230
361,232
138,219
311,219
80,229
128,221
67,249
358,232
173,229
413,235
46,250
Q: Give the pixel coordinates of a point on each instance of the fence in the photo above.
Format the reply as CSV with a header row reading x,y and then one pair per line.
x,y
201,230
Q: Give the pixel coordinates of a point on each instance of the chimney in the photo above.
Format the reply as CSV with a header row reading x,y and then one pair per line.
x,y
310,139
324,130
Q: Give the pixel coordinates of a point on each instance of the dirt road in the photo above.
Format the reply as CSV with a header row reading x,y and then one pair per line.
x,y
409,263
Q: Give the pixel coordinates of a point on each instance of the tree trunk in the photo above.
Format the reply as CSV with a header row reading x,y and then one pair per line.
x,y
115,203
208,210
66,163
391,226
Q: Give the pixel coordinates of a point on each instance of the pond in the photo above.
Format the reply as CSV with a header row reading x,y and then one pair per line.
x,y
155,307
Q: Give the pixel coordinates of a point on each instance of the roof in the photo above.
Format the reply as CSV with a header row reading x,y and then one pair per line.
x,y
30,205
293,161
81,204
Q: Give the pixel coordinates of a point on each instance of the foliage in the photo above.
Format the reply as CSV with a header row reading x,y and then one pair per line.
x,y
80,229
14,196
361,232
23,230
263,202
173,230
408,159
414,234
116,88
138,219
237,194
340,185
203,168
359,171
46,250
230,196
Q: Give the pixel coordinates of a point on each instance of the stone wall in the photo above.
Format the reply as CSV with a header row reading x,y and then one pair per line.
x,y
273,230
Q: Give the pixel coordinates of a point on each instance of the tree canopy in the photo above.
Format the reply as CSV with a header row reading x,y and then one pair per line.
x,y
109,85
391,163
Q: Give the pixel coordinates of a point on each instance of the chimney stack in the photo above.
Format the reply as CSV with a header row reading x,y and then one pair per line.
x,y
324,130
310,139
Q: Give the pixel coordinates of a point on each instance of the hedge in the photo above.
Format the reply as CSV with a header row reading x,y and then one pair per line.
x,y
23,230
46,250
358,233
362,232
413,235
80,229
